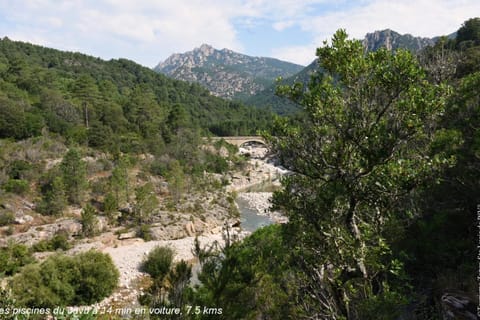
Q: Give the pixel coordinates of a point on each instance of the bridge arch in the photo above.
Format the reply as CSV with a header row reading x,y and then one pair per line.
x,y
240,140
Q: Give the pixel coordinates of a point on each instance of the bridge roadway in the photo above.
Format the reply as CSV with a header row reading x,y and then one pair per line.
x,y
238,141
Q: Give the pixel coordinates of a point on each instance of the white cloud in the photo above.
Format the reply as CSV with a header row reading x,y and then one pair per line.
x,y
302,55
158,27
282,25
148,31
427,18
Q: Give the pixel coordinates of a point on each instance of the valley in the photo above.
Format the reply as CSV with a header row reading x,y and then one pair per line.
x,y
118,192
176,228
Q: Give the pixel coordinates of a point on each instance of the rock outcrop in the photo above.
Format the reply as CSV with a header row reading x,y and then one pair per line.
x,y
226,73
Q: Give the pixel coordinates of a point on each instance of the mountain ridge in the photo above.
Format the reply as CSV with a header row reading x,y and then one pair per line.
x,y
232,75
224,72
393,40
373,41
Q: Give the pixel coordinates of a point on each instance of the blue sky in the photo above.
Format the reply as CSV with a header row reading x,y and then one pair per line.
x,y
148,31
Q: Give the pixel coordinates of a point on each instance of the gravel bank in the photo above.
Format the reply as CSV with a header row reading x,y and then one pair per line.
x,y
128,258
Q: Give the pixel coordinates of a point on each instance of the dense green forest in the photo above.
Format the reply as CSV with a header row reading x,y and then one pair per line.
x,y
88,100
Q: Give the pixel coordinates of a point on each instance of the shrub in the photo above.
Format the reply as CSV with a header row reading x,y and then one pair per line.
x,y
58,241
89,221
6,218
144,232
98,277
16,186
159,168
13,257
158,262
7,303
63,280
18,168
110,204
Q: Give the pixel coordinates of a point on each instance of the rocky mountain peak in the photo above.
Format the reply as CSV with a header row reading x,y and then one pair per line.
x,y
224,72
206,49
392,40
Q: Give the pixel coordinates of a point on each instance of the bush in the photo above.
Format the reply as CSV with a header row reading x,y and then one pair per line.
x,y
89,221
110,204
18,168
98,277
13,257
7,303
6,218
16,186
158,262
159,168
144,232
58,241
62,280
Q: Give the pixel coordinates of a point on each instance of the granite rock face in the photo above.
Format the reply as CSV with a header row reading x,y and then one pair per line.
x,y
226,73
392,40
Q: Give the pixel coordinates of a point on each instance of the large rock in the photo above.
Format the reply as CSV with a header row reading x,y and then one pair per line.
x,y
190,229
127,235
458,306
21,218
37,233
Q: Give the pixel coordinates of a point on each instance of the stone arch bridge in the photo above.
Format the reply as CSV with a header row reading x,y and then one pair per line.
x,y
240,140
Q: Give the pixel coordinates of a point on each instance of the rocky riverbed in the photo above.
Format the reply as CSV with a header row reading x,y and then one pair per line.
x,y
260,202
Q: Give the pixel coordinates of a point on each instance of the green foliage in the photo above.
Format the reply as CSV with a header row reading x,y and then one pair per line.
x,y
469,32
169,281
119,183
158,262
178,279
17,186
58,241
98,277
94,102
89,221
216,163
62,280
176,180
144,232
145,202
13,257
7,303
74,176
110,204
250,279
18,169
364,145
54,195
6,218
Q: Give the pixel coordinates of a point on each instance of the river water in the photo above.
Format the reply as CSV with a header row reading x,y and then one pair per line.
x,y
250,219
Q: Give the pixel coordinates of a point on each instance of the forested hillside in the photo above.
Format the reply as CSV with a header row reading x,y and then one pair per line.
x,y
89,100
92,148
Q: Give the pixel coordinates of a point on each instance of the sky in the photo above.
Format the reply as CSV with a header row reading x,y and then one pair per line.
x,y
148,31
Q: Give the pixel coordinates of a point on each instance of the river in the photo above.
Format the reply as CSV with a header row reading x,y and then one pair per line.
x,y
250,218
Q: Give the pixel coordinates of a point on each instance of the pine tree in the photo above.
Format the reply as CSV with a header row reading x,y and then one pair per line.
x,y
89,221
74,176
145,202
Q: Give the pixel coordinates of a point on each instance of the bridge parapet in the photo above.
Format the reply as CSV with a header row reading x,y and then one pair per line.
x,y
240,140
